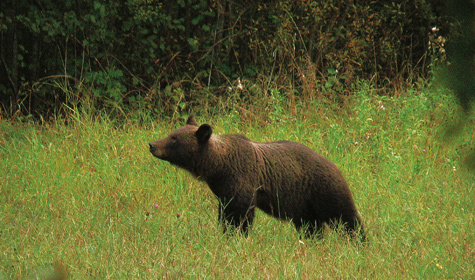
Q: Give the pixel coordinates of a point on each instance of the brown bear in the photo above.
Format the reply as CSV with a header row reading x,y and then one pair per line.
x,y
284,179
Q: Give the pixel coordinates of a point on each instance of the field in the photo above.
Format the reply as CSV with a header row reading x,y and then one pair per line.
x,y
82,196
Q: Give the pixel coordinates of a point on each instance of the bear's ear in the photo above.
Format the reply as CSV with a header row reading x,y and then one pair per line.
x,y
191,120
204,133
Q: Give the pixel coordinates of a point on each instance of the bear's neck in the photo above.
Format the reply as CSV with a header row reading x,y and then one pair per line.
x,y
210,161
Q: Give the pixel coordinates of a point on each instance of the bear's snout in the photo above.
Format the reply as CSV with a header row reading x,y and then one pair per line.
x,y
152,147
156,148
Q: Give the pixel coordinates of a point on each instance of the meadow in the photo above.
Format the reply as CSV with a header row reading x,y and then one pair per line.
x,y
82,196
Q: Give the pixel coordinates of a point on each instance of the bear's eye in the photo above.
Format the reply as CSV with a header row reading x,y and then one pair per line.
x,y
174,139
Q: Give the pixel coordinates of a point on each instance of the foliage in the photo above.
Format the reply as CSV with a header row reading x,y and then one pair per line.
x,y
124,55
460,74
83,197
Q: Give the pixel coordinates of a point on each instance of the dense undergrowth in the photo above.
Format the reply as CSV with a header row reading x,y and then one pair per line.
x,y
122,54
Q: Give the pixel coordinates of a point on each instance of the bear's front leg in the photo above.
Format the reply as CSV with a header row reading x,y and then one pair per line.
x,y
236,214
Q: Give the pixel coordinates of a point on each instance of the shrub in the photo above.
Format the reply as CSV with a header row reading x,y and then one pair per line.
x,y
118,53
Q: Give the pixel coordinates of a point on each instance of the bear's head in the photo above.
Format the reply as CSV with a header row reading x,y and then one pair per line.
x,y
184,145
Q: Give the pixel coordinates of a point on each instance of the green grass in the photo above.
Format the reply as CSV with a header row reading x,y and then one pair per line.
x,y
79,195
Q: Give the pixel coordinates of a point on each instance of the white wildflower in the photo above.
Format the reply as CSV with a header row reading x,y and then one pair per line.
x,y
239,85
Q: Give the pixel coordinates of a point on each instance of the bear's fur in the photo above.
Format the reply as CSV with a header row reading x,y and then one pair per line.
x,y
284,179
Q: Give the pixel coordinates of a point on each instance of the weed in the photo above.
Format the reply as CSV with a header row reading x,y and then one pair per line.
x,y
83,196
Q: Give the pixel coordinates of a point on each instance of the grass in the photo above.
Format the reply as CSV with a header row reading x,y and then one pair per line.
x,y
85,196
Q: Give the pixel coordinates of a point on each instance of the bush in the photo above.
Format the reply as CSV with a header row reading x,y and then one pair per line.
x,y
118,53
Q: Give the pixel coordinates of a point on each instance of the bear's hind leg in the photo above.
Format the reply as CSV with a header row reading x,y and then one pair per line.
x,y
353,226
356,229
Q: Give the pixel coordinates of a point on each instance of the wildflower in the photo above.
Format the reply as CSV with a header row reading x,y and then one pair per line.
x,y
441,40
435,29
239,86
356,143
155,205
424,150
455,169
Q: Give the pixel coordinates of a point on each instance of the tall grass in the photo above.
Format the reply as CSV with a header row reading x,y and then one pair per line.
x,y
83,195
